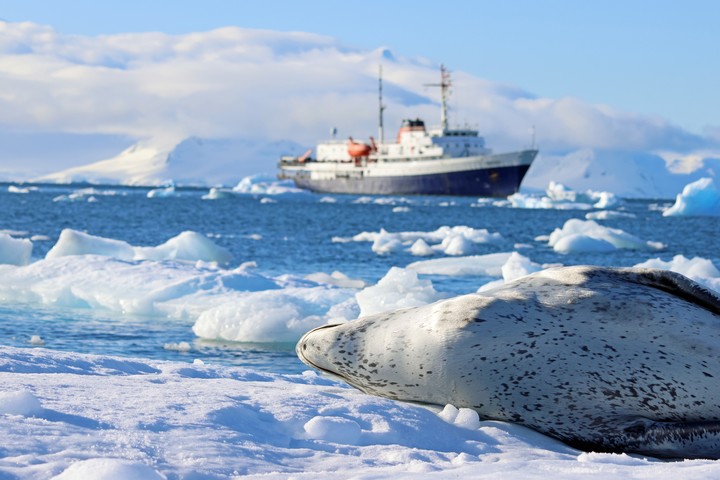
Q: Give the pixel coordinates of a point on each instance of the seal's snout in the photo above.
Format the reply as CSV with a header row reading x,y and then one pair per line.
x,y
315,347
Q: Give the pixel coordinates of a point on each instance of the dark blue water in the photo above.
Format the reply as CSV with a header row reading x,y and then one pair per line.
x,y
296,233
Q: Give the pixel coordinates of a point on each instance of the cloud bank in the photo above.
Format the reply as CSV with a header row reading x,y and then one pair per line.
x,y
235,82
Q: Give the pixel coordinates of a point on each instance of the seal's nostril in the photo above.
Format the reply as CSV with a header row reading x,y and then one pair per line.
x,y
304,346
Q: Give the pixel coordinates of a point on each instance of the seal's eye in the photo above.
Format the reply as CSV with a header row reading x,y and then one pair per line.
x,y
304,346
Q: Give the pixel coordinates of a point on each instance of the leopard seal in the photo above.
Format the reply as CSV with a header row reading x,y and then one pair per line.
x,y
604,359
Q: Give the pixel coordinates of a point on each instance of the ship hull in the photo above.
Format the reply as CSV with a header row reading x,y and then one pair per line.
x,y
493,176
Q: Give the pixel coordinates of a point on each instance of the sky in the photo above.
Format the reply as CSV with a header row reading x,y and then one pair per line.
x,y
654,62
649,57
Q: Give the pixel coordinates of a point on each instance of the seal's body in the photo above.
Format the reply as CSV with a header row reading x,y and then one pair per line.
x,y
605,359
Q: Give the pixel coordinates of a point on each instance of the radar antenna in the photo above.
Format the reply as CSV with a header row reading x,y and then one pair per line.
x,y
444,85
381,107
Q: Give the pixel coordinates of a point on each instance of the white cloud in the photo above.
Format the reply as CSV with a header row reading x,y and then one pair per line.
x,y
234,82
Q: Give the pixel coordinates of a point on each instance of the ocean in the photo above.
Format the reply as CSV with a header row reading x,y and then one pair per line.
x,y
290,235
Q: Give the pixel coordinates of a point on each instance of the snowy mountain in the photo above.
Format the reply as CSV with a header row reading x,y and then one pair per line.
x,y
203,162
626,174
190,162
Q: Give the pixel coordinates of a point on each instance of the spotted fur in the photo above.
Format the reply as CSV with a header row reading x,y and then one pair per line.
x,y
603,359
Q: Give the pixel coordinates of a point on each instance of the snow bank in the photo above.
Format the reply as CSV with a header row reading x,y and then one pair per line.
x,y
699,269
698,198
588,236
108,469
399,288
109,417
189,246
458,240
14,251
558,196
20,402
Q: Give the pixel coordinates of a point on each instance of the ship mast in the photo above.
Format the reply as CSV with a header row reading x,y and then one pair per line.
x,y
444,94
381,107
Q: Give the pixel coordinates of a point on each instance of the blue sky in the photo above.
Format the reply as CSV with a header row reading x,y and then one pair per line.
x,y
649,57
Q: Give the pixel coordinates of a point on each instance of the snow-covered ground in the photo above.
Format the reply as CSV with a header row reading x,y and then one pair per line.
x,y
77,417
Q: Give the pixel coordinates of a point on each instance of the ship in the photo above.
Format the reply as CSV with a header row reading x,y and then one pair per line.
x,y
421,161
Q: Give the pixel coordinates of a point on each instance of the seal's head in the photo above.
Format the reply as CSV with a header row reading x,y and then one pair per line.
x,y
398,354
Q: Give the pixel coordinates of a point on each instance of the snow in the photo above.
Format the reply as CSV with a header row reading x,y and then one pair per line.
x,y
589,236
701,197
457,240
76,416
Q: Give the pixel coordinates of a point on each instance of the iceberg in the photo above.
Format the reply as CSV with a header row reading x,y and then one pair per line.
x,y
701,197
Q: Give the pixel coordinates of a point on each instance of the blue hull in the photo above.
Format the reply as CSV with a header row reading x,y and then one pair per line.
x,y
488,182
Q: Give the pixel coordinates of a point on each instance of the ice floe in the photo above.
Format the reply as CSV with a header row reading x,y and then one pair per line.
x,y
266,185
701,197
589,236
699,269
558,196
458,240
399,288
14,251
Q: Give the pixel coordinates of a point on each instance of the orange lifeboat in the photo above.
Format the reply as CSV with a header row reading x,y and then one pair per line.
x,y
356,150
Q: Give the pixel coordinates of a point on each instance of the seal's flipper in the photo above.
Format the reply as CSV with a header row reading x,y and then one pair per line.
x,y
676,284
673,440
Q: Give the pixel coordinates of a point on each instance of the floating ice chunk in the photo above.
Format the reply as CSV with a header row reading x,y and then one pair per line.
x,y
333,429
421,249
217,194
456,240
190,246
603,199
72,242
16,189
37,340
14,251
271,316
108,469
266,185
179,347
385,243
701,197
558,192
558,196
582,243
162,192
401,209
337,279
328,200
489,265
518,266
588,236
608,214
455,244
21,403
699,269
399,288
